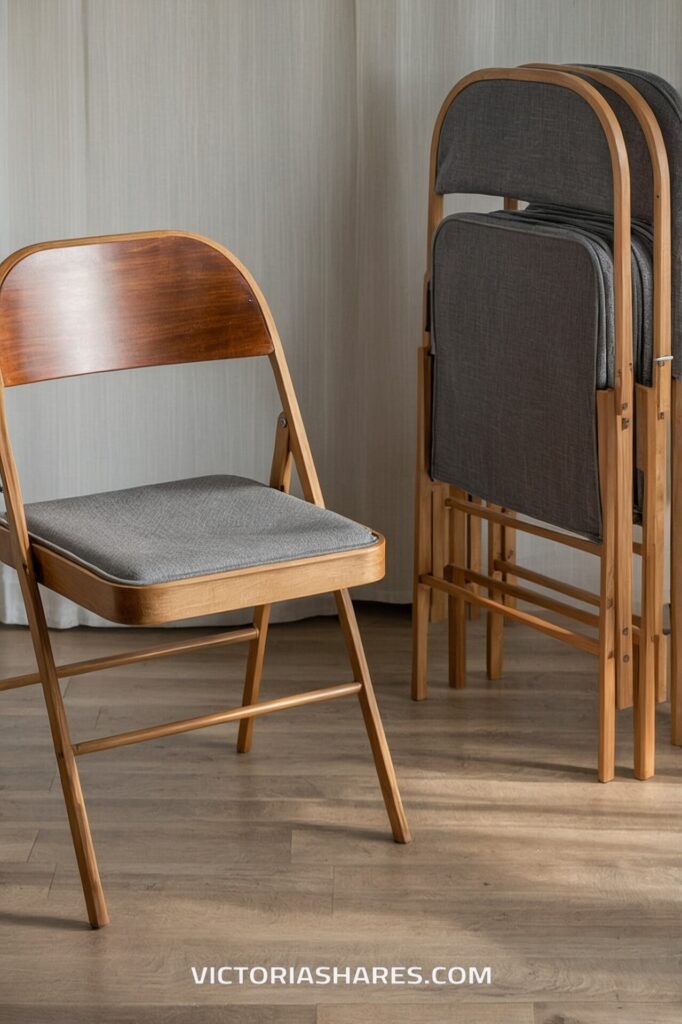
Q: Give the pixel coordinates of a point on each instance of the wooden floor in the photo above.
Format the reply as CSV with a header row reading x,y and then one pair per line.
x,y
569,890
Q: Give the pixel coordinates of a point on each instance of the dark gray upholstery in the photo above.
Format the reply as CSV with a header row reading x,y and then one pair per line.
x,y
498,411
196,527
541,143
666,104
597,230
515,366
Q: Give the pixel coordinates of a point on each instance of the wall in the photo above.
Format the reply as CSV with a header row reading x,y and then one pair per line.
x,y
297,133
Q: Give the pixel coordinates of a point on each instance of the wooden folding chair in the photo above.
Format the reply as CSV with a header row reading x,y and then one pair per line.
x,y
652,417
451,574
122,301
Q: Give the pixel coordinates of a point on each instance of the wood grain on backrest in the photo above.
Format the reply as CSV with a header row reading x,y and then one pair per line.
x,y
114,303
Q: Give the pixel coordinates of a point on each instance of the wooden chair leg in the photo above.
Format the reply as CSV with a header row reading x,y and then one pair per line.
x,y
456,606
607,589
644,713
645,708
254,669
495,623
439,540
651,589
420,641
676,566
373,724
474,556
423,537
509,555
66,761
662,658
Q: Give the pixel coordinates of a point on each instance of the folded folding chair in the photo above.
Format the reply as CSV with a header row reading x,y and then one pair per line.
x,y
526,398
650,112
150,555
663,104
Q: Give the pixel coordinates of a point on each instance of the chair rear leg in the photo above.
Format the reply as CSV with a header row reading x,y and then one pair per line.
x,y
676,565
651,590
607,589
509,554
495,622
456,606
373,723
474,556
423,539
439,540
254,669
66,762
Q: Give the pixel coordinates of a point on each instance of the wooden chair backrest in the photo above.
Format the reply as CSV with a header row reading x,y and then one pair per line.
x,y
122,301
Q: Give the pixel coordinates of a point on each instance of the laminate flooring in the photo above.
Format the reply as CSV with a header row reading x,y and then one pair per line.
x,y
568,890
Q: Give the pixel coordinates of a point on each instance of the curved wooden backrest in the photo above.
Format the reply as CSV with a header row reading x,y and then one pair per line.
x,y
117,302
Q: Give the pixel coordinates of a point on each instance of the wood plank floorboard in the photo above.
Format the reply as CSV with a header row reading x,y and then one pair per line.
x,y
570,891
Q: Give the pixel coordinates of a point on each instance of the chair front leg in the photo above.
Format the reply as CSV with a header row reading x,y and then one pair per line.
x,y
373,723
66,761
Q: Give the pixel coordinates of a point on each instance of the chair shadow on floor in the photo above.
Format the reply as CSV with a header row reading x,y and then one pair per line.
x,y
26,920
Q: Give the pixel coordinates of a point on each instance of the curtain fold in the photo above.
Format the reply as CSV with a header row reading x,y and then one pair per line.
x,y
297,133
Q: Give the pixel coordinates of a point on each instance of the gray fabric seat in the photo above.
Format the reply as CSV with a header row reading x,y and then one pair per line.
x,y
516,359
185,528
531,344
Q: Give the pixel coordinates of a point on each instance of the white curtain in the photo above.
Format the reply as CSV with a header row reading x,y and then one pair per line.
x,y
297,133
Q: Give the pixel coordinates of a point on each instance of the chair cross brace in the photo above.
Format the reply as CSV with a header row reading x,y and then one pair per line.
x,y
265,707
80,668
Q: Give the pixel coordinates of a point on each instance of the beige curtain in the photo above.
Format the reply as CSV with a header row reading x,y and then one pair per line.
x,y
296,132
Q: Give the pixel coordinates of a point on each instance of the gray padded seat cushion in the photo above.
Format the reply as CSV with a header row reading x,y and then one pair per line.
x,y
515,366
598,229
197,527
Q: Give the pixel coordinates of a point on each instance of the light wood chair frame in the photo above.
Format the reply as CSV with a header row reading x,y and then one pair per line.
x,y
453,574
145,605
652,423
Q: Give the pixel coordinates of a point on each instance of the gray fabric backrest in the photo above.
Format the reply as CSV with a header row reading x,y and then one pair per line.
x,y
542,143
666,104
536,142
